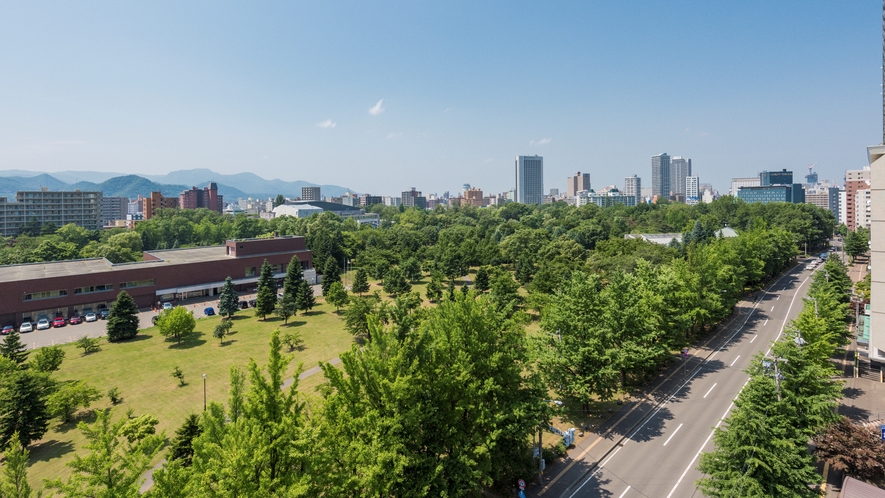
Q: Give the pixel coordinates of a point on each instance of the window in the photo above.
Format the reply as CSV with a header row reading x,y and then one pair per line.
x,y
36,296
136,283
94,288
250,272
277,268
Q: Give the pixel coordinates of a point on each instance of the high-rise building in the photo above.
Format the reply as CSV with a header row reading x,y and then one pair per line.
x,y
692,190
863,208
114,208
156,201
660,176
367,200
680,168
633,186
794,193
737,183
310,194
413,198
42,207
530,179
811,178
843,210
876,345
824,197
782,177
577,183
855,179
207,198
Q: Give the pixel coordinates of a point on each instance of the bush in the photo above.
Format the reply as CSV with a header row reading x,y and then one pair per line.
x,y
114,396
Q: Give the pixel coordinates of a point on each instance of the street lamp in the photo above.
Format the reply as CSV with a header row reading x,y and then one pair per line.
x,y
204,392
540,445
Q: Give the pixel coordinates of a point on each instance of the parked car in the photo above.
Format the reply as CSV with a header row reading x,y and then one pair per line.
x,y
90,317
167,306
209,311
154,319
26,327
43,324
104,313
59,322
7,329
253,303
75,319
244,305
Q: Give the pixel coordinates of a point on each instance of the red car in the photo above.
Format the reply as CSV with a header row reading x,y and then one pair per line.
x,y
59,322
74,320
7,329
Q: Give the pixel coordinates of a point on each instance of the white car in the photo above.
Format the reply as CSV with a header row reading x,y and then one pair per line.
x,y
43,324
167,306
26,327
90,316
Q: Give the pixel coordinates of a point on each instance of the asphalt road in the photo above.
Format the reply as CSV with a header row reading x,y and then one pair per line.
x,y
652,449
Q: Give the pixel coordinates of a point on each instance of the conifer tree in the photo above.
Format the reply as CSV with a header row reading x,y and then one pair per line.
x,y
360,282
182,446
123,318
14,350
23,407
228,301
266,297
331,274
294,275
14,479
481,282
304,299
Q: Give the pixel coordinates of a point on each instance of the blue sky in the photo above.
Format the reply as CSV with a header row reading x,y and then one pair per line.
x,y
380,97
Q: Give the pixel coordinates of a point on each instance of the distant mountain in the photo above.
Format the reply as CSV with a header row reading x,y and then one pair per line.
x,y
250,183
12,184
130,186
69,177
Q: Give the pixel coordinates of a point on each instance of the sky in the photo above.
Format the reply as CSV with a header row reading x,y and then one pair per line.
x,y
383,96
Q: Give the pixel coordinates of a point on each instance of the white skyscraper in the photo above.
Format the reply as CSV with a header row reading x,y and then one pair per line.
x,y
530,179
633,186
692,190
680,168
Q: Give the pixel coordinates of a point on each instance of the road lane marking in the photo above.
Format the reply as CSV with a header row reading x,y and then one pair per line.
x,y
778,297
625,492
671,435
696,455
766,322
733,362
754,338
708,392
772,308
595,472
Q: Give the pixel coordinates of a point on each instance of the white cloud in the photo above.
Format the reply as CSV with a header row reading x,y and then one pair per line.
x,y
394,135
543,141
377,109
448,109
327,124
488,160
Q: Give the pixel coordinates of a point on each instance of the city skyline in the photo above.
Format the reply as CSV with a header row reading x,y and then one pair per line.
x,y
377,98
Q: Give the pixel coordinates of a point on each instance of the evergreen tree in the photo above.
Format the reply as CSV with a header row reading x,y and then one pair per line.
x,y
356,318
525,270
412,270
14,350
123,318
434,290
229,300
182,446
14,479
23,407
331,274
286,307
337,296
279,200
266,298
294,276
304,299
395,282
481,282
360,282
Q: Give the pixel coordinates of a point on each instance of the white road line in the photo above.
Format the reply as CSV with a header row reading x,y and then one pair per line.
x,y
754,338
671,435
735,360
625,492
595,472
708,392
766,322
772,308
691,464
778,297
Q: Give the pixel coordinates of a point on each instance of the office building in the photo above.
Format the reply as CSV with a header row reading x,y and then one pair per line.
x,y
737,183
824,197
530,179
773,193
692,190
367,200
206,197
660,176
413,198
855,179
42,207
633,186
782,177
113,208
310,194
811,178
680,168
843,209
577,183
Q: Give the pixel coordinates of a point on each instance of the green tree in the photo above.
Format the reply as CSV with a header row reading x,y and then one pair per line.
x,y
433,291
222,329
70,396
47,359
395,282
266,297
331,274
504,293
122,318
179,376
337,296
287,307
279,200
176,323
293,341
23,407
14,478
88,345
13,349
114,464
360,282
481,282
229,300
304,299
182,446
356,317
857,242
294,277
411,270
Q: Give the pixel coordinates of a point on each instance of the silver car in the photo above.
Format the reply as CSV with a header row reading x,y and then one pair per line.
x,y
26,327
43,324
90,316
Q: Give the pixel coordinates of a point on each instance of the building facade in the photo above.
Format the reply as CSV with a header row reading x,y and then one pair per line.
x,y
59,208
114,208
692,190
737,183
310,194
633,186
824,197
856,179
660,175
529,179
876,347
773,193
577,183
863,209
680,168
207,198
413,198
782,177
154,202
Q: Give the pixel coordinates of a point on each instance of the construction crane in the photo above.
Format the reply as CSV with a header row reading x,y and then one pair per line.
x,y
811,166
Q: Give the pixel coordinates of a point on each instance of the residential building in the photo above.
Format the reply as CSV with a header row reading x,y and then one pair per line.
x,y
529,179
876,348
862,209
708,196
61,288
349,199
113,208
473,197
577,183
207,198
367,200
843,209
680,168
660,176
156,201
391,201
135,206
824,197
855,179
737,183
59,208
773,193
692,190
633,186
782,177
611,198
310,194
554,192
408,197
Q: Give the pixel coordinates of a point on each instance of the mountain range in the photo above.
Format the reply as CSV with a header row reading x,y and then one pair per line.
x,y
170,184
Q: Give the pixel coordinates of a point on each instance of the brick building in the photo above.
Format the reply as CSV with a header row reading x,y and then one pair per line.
x,y
207,197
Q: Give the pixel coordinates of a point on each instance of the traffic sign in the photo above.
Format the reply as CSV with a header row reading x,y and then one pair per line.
x,y
883,433
522,483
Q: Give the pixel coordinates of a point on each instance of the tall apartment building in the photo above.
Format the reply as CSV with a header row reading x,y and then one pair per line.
x,y
530,179
310,194
413,198
660,176
59,208
843,208
114,208
824,197
737,183
692,190
862,208
207,197
680,168
156,201
855,179
633,186
473,197
577,183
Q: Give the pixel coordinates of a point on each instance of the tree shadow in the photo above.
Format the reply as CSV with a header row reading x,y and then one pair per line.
x,y
136,338
227,342
313,313
50,450
88,416
361,340
189,341
295,323
586,481
852,392
855,414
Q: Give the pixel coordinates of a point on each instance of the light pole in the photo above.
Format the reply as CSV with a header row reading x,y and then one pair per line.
x,y
540,445
204,392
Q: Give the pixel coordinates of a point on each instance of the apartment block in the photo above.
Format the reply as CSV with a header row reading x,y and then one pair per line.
x,y
207,198
59,208
855,179
114,208
577,183
310,194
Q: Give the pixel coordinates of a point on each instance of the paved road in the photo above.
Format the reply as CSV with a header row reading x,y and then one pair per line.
x,y
652,449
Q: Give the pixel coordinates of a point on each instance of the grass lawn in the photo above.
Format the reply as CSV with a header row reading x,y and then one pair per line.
x,y
142,370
